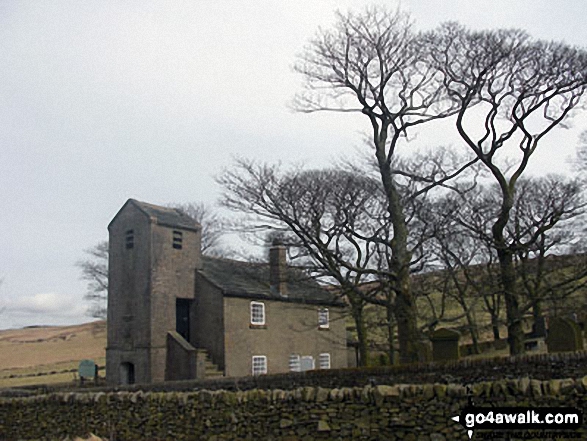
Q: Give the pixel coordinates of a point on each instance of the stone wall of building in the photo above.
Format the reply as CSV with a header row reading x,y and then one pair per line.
x,y
150,266
129,310
290,328
208,320
172,276
390,412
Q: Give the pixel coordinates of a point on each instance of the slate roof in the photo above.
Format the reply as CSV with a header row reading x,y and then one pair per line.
x,y
251,280
169,217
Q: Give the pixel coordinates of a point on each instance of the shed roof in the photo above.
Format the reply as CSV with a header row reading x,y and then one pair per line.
x,y
251,280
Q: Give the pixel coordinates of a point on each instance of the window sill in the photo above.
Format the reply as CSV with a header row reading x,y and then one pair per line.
x,y
251,326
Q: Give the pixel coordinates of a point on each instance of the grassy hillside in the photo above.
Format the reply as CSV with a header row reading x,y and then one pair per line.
x,y
47,355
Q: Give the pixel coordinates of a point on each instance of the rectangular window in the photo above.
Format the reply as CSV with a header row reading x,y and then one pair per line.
x,y
177,240
324,361
295,363
257,313
259,364
130,239
307,363
323,321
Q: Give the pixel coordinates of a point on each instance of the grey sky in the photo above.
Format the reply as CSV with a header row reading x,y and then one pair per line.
x,y
101,101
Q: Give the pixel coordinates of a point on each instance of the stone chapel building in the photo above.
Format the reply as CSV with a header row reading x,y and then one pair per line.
x,y
174,314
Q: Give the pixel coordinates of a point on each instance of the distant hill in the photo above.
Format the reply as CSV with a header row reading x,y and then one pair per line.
x,y
49,354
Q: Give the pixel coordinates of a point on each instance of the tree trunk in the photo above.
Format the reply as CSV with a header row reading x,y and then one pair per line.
x,y
472,329
362,333
391,331
514,318
507,268
406,328
537,311
537,317
399,263
493,309
495,326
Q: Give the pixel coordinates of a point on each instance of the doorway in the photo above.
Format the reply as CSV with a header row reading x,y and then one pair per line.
x,y
182,317
127,373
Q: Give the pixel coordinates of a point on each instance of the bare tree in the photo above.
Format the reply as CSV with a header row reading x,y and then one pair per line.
x,y
337,221
542,227
328,218
551,267
470,274
459,278
541,224
374,64
579,162
214,225
94,269
525,89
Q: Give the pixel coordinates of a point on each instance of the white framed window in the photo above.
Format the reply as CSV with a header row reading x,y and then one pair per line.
x,y
307,363
257,313
324,361
323,319
259,364
295,363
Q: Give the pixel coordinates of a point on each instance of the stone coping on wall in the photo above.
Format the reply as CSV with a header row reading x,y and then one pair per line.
x,y
369,394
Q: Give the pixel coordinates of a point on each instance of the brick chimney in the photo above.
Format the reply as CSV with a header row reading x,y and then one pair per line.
x,y
277,268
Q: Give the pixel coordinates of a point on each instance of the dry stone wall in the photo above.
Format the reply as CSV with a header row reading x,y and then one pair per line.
x,y
381,412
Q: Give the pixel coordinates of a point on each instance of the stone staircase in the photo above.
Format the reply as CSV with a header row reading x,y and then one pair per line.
x,y
212,370
184,362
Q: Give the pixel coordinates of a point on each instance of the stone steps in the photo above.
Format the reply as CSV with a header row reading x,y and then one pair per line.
x,y
212,370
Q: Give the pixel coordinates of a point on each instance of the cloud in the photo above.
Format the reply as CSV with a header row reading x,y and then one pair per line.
x,y
40,303
48,308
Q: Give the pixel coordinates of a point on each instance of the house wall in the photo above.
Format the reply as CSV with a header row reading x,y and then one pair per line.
x,y
290,328
129,298
208,322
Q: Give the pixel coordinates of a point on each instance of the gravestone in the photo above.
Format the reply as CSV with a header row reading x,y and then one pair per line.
x,y
564,335
445,344
87,369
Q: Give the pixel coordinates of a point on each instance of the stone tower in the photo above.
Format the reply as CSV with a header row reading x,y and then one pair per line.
x,y
153,257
